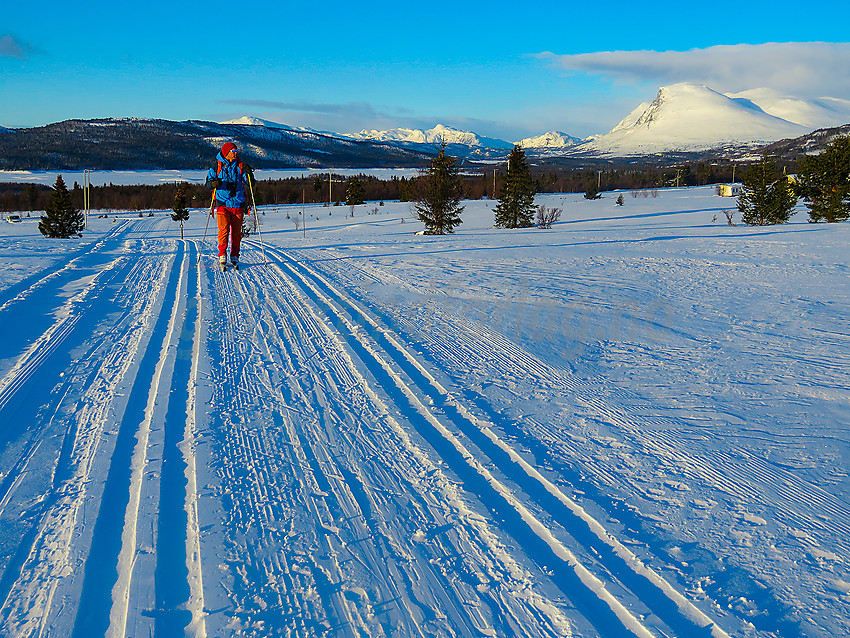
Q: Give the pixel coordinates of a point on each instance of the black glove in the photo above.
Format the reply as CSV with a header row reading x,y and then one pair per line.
x,y
215,182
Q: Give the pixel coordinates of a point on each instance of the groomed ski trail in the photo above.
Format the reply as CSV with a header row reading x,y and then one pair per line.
x,y
72,546
418,408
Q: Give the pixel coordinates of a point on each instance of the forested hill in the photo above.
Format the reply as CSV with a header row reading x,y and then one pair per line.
x,y
137,144
813,142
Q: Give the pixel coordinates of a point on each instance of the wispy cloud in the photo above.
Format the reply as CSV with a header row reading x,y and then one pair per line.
x,y
351,109
356,116
11,47
798,68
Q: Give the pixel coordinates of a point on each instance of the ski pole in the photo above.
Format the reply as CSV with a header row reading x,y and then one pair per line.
x,y
257,219
204,238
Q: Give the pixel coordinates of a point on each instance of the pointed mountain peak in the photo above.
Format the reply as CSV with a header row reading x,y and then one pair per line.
x,y
440,133
550,140
687,117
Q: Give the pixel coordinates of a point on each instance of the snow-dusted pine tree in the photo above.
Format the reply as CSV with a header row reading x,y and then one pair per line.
x,y
355,193
766,197
824,182
516,202
181,213
439,191
61,219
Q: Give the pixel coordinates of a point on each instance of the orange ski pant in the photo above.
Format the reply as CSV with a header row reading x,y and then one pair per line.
x,y
229,224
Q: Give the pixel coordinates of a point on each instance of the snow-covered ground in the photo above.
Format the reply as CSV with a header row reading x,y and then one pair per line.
x,y
632,424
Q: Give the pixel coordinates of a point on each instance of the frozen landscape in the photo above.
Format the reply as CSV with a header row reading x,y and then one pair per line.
x,y
634,424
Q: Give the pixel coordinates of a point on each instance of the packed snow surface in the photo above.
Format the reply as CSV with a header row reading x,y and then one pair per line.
x,y
632,424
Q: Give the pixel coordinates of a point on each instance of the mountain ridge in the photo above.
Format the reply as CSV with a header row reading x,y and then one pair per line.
x,y
684,121
688,117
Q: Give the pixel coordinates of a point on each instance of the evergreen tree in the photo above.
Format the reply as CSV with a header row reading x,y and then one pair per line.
x,y
591,191
516,201
181,213
824,182
766,197
61,219
249,225
354,192
32,196
439,194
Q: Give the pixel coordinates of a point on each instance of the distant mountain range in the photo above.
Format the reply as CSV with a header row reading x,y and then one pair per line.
x,y
139,144
683,121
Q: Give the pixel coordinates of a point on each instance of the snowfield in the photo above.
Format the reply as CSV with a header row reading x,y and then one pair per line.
x,y
632,424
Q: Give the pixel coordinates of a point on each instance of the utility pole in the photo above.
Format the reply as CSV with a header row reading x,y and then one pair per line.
x,y
86,195
331,182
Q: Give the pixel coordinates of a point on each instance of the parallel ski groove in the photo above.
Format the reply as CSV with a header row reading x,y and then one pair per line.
x,y
596,597
630,562
346,449
86,389
130,550
108,541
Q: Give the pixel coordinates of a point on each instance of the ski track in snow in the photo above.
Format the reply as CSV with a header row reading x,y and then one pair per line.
x,y
299,449
463,346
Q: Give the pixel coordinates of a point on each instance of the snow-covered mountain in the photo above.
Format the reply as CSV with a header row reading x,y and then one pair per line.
x,y
247,120
436,135
689,117
823,112
553,140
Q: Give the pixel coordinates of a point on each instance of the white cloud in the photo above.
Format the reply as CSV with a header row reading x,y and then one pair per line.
x,y
806,69
353,117
11,47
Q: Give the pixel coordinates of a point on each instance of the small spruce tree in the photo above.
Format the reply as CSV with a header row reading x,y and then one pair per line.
x,y
250,222
32,196
516,201
766,197
354,192
181,213
440,189
591,191
61,219
824,182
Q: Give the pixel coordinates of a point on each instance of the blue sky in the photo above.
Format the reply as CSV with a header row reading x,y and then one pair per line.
x,y
508,70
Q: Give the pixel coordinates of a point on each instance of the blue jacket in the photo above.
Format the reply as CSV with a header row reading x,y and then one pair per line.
x,y
234,181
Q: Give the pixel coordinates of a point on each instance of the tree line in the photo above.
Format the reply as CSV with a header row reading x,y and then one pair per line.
x,y
768,195
332,188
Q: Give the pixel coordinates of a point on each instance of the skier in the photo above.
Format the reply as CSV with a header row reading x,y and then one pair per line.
x,y
229,179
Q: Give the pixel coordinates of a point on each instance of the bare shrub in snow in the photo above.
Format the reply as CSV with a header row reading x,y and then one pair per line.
x,y
547,216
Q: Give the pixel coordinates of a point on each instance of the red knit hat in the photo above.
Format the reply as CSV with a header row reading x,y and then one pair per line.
x,y
229,146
